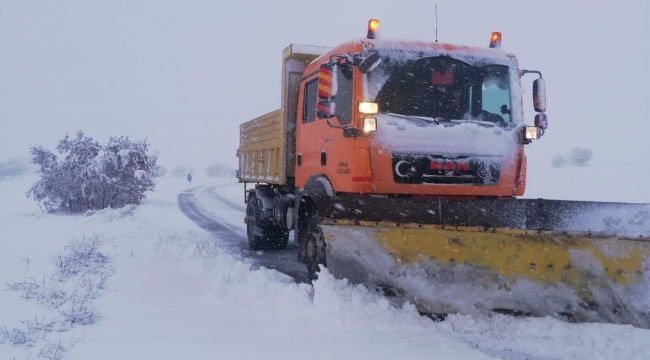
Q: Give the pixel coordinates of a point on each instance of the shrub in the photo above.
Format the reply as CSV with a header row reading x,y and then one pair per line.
x,y
14,337
80,256
558,161
83,269
52,351
580,157
575,157
91,176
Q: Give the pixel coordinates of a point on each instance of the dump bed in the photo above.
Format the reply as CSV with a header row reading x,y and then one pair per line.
x,y
267,144
261,149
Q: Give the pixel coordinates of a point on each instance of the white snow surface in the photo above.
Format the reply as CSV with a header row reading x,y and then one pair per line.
x,y
176,294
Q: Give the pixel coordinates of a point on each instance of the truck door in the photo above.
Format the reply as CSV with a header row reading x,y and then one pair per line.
x,y
337,150
310,134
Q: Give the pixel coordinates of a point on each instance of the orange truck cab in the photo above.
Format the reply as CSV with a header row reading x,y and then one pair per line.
x,y
413,118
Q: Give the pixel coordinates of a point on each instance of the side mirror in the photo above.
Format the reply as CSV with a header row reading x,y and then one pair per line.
x,y
327,89
325,109
369,63
539,95
541,121
327,85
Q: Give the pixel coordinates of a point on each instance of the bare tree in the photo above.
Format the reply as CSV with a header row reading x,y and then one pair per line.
x,y
181,171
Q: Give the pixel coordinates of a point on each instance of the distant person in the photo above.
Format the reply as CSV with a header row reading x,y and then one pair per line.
x,y
189,178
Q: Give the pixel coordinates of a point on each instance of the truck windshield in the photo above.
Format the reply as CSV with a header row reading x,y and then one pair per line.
x,y
442,88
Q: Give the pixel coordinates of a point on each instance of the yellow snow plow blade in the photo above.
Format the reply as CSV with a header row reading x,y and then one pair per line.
x,y
576,260
573,275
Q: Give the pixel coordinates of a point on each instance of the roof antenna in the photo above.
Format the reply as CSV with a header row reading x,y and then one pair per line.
x,y
436,7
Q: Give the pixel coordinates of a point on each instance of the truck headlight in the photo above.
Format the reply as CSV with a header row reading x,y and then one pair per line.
x,y
369,124
532,133
368,108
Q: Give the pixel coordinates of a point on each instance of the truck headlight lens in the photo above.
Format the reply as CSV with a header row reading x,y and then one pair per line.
x,y
368,108
533,133
369,124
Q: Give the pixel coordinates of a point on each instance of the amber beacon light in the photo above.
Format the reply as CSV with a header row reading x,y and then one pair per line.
x,y
495,40
373,29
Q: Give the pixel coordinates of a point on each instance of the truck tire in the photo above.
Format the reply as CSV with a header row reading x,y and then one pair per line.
x,y
278,238
263,236
315,246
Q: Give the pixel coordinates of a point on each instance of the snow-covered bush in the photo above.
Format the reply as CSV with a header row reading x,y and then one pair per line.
x,y
580,157
558,161
79,311
80,256
92,176
30,289
575,157
81,271
52,351
14,337
82,263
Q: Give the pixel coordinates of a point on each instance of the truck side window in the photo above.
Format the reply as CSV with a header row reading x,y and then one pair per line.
x,y
343,97
309,102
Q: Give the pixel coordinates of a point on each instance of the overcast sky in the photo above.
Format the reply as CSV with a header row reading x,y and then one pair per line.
x,y
185,74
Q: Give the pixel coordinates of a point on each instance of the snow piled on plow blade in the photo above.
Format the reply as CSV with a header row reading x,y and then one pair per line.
x,y
572,276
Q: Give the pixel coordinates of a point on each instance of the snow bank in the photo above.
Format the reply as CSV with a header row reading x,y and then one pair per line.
x,y
544,338
176,294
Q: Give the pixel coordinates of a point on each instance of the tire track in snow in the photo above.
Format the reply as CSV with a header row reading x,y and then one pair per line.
x,y
232,205
232,237
225,232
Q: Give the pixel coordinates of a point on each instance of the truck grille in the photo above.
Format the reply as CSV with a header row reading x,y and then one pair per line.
x,y
436,169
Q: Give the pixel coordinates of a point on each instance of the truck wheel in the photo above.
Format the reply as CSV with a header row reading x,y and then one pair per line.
x,y
314,248
263,237
254,232
277,238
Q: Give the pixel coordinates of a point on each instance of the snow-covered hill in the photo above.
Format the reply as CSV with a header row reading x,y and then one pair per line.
x,y
171,292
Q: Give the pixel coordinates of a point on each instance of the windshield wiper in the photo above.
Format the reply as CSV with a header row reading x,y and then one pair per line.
x,y
415,117
438,120
480,122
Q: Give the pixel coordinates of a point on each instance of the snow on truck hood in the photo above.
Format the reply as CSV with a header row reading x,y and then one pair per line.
x,y
415,135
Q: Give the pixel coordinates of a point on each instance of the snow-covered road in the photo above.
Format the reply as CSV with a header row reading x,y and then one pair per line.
x,y
179,291
211,209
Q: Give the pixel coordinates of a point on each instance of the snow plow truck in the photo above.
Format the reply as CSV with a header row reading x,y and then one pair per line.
x,y
398,164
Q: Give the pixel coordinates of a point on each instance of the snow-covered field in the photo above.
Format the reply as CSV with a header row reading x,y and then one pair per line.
x,y
171,292
602,180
